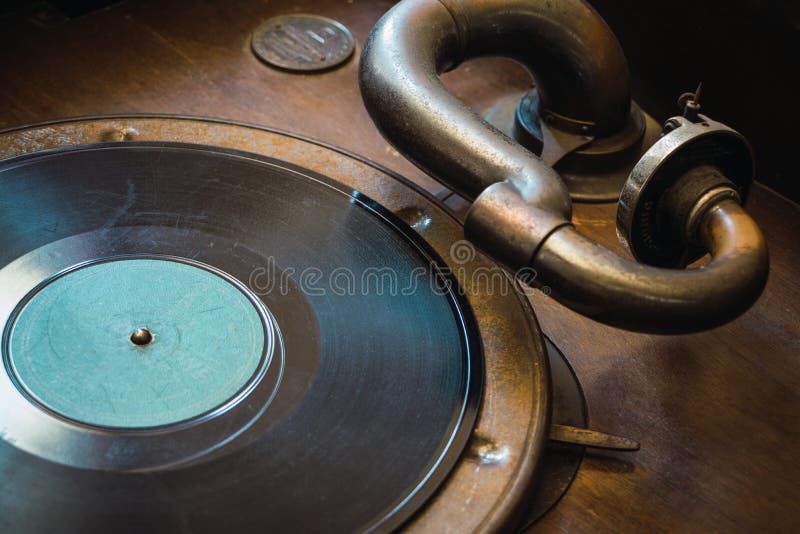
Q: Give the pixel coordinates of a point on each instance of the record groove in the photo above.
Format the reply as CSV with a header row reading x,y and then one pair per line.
x,y
378,391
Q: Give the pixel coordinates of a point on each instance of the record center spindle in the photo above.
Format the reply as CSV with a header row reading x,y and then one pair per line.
x,y
142,336
137,342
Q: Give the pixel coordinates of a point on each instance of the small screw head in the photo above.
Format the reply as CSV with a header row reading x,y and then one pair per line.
x,y
142,336
671,125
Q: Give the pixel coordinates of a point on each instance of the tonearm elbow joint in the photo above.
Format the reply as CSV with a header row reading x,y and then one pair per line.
x,y
681,201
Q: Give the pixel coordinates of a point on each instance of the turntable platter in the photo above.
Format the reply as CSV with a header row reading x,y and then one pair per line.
x,y
207,339
339,409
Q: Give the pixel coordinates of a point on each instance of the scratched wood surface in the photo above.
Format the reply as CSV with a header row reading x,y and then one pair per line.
x,y
717,413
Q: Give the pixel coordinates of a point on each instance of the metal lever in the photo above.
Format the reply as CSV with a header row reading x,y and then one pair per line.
x,y
591,438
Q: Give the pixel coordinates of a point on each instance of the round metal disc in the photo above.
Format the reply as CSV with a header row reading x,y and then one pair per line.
x,y
303,42
641,223
492,479
382,372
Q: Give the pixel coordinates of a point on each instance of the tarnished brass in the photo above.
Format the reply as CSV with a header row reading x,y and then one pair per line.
x,y
521,211
591,438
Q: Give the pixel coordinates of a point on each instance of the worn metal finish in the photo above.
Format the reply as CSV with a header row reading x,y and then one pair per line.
x,y
591,438
669,170
582,76
614,290
399,82
519,119
524,228
595,172
302,43
582,93
592,168
498,468
597,282
418,39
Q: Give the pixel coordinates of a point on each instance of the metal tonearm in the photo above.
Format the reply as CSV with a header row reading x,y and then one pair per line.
x,y
682,199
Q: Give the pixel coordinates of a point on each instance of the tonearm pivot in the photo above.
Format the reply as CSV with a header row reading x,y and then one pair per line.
x,y
682,199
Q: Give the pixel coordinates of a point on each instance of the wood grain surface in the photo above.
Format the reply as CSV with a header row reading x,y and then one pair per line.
x,y
717,413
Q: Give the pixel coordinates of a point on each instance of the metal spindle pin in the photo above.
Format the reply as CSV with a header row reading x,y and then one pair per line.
x,y
142,336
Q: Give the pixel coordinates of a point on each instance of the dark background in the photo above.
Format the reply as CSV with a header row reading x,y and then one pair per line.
x,y
744,51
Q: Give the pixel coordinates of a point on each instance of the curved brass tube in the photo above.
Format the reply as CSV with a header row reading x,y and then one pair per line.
x,y
522,210
578,63
614,290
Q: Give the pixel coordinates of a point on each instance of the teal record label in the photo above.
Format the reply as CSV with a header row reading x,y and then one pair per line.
x,y
136,342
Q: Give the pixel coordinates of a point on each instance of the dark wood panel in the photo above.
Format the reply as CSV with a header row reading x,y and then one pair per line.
x,y
718,413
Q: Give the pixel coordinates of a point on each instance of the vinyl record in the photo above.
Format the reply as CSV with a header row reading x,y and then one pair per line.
x,y
201,339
